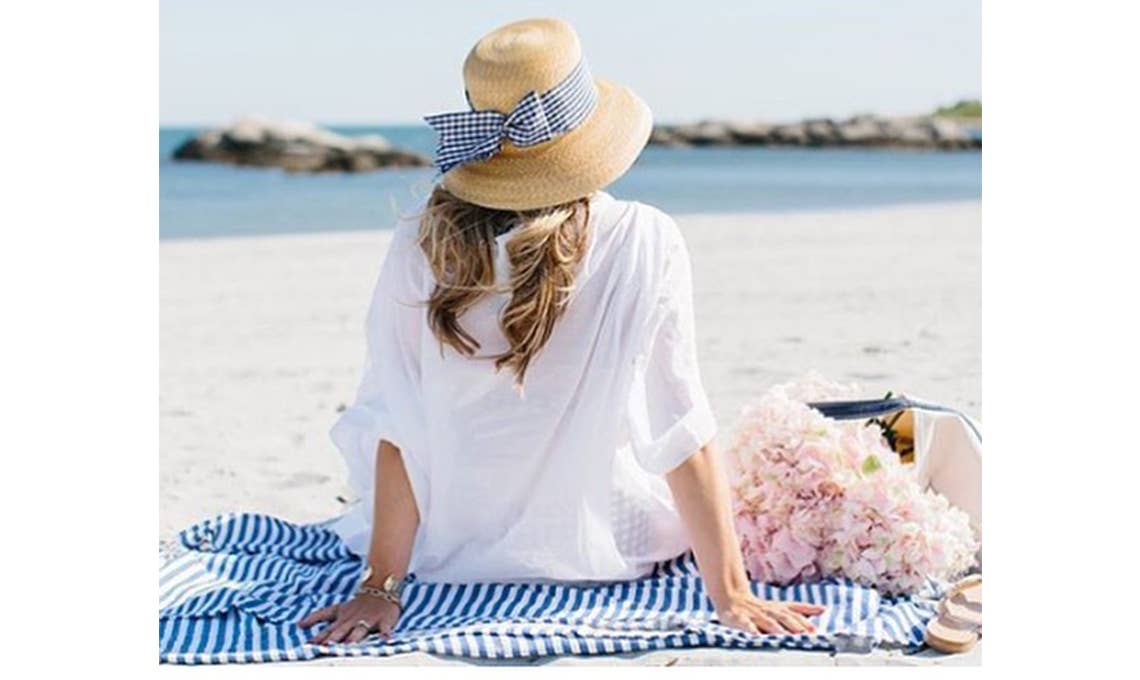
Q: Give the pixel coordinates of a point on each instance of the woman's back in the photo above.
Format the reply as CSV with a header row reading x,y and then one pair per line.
x,y
521,272
562,479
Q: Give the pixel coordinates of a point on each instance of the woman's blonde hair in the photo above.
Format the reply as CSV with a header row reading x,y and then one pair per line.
x,y
544,250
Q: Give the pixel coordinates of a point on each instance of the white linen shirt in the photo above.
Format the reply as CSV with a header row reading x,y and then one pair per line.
x,y
562,482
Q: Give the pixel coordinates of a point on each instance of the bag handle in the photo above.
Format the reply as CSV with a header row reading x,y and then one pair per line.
x,y
860,409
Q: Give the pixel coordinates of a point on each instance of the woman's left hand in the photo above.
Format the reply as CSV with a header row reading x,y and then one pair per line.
x,y
751,614
354,620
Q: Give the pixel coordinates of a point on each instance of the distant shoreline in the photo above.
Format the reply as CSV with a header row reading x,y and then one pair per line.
x,y
797,212
937,132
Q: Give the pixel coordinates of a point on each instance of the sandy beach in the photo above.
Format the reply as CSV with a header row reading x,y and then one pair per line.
x,y
261,340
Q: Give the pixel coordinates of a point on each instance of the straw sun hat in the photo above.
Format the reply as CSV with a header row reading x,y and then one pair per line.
x,y
540,130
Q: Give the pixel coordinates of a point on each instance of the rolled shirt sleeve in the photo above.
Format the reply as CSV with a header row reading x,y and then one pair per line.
x,y
388,402
669,414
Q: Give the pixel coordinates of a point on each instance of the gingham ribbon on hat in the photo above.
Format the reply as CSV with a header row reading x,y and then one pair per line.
x,y
466,136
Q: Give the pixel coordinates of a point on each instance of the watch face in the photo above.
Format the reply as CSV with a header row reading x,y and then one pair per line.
x,y
392,585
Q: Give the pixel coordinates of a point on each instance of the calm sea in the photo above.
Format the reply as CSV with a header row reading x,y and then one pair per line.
x,y
202,200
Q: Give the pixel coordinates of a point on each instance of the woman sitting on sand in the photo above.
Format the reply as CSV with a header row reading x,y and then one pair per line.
x,y
541,417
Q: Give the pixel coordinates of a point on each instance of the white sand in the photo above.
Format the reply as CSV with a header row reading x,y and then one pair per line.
x,y
261,338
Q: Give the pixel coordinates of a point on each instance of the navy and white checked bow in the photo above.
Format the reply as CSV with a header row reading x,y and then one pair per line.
x,y
466,136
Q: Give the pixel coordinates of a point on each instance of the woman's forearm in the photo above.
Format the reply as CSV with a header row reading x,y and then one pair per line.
x,y
394,516
394,522
700,491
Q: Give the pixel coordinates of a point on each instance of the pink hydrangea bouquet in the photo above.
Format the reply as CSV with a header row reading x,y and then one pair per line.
x,y
815,498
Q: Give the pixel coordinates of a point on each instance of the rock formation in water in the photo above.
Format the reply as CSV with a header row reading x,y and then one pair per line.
x,y
296,147
920,132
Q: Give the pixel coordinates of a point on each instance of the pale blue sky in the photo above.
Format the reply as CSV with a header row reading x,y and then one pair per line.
x,y
353,61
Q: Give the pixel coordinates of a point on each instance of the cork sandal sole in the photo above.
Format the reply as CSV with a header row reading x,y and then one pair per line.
x,y
958,626
950,637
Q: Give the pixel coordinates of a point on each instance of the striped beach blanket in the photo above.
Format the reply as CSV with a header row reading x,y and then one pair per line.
x,y
231,590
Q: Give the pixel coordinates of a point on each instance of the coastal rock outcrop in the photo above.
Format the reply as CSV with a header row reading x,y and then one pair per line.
x,y
295,147
918,132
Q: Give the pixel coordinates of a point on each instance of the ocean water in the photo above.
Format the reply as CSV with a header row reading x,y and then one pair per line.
x,y
205,200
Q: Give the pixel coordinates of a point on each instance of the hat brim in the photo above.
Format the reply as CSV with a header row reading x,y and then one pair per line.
x,y
568,167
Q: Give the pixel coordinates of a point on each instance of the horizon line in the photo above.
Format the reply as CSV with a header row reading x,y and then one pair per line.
x,y
420,122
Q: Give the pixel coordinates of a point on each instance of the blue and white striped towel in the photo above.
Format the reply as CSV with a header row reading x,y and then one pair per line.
x,y
231,590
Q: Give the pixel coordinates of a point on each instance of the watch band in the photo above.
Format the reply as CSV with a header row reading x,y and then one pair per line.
x,y
382,594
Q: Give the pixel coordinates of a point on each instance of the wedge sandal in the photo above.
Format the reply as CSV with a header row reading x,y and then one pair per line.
x,y
958,626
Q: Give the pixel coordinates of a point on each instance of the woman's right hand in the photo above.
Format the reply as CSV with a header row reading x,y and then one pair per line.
x,y
380,615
